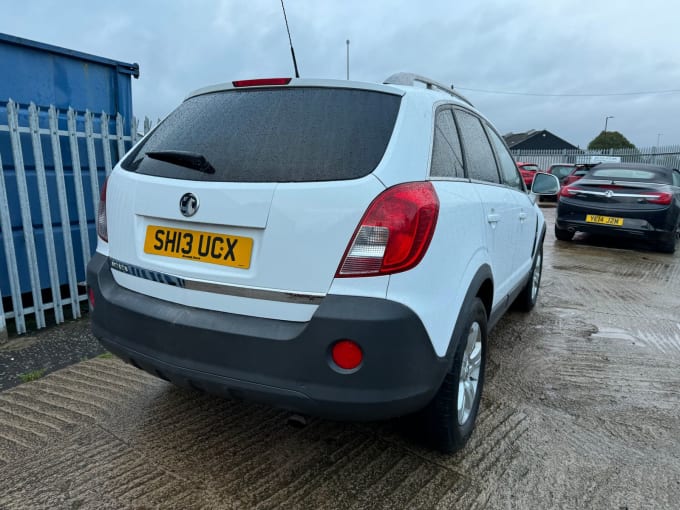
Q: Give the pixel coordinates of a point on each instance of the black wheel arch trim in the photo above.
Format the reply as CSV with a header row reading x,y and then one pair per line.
x,y
538,243
482,275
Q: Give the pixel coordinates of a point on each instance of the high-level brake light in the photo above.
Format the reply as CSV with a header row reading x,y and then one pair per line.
x,y
261,82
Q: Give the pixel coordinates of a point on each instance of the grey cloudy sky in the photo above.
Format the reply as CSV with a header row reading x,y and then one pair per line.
x,y
546,47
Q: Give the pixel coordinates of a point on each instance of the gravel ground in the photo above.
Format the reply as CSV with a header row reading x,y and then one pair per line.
x,y
580,410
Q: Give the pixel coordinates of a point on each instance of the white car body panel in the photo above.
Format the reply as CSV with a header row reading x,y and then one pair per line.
x,y
501,225
530,227
295,249
435,288
408,154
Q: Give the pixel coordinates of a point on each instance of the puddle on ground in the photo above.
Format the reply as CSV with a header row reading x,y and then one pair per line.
x,y
614,334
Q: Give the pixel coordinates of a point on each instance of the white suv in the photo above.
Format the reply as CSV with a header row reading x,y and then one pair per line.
x,y
329,247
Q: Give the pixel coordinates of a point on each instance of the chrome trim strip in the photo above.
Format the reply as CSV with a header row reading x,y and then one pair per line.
x,y
604,193
215,288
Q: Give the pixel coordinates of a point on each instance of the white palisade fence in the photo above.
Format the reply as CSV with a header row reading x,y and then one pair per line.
x,y
667,155
52,164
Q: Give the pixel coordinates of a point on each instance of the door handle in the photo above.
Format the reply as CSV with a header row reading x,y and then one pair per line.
x,y
522,216
493,218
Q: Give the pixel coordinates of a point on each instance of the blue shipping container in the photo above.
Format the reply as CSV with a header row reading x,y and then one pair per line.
x,y
49,75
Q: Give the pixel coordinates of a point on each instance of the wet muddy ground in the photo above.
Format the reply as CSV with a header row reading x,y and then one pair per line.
x,y
581,410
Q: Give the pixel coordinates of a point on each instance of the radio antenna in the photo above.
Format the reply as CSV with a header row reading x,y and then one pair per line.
x,y
292,51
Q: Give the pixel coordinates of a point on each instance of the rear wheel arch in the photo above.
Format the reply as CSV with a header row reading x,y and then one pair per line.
x,y
449,419
485,293
481,286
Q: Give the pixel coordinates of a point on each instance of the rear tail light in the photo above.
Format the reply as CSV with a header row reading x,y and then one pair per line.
x,y
394,233
261,82
567,191
102,230
661,198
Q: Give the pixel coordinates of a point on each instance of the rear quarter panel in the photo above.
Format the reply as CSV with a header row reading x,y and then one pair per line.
x,y
407,157
436,287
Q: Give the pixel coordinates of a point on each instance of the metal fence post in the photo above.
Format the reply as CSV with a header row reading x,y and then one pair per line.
x,y
63,211
25,207
106,143
43,194
78,184
92,160
120,136
10,257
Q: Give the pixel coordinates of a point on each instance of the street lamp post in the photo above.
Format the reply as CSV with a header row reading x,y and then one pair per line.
x,y
658,138
348,59
606,119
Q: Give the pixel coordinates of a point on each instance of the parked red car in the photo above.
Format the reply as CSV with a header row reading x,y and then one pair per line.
x,y
578,172
561,171
528,171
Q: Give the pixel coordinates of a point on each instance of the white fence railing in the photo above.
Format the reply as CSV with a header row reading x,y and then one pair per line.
x,y
52,165
668,155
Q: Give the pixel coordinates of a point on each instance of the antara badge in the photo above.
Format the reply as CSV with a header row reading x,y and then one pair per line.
x,y
188,204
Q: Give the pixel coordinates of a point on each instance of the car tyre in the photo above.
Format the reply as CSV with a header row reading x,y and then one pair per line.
x,y
450,417
527,298
668,246
563,235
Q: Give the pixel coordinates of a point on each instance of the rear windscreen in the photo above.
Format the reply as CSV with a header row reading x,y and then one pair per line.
x,y
562,171
274,135
630,174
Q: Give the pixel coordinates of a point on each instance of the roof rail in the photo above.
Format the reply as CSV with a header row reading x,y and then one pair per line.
x,y
410,79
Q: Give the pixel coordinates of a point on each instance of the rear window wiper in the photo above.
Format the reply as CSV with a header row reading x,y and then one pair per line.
x,y
186,159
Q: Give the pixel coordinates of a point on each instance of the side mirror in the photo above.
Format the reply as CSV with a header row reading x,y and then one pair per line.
x,y
545,184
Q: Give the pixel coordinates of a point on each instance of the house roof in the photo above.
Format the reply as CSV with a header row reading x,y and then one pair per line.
x,y
514,139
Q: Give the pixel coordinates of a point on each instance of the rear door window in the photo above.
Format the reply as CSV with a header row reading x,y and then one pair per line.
x,y
509,173
447,155
291,134
481,164
562,171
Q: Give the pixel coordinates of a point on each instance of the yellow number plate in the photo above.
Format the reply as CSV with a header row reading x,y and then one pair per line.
x,y
200,246
604,220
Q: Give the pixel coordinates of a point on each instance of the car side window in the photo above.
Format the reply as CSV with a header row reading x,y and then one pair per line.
x,y
447,155
676,178
509,173
481,163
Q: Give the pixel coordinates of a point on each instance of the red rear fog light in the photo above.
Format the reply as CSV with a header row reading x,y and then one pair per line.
x,y
347,354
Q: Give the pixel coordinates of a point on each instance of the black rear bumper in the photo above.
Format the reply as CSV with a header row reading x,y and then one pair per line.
x,y
652,225
284,364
